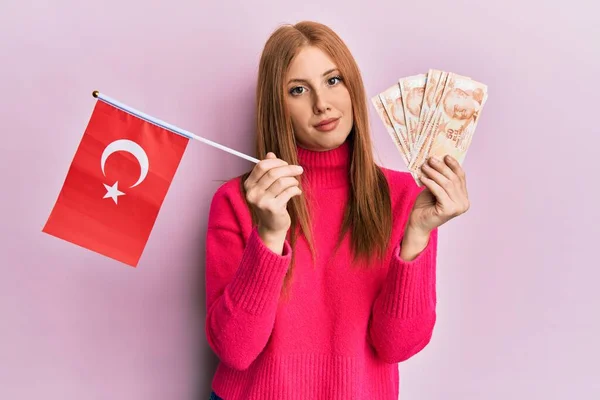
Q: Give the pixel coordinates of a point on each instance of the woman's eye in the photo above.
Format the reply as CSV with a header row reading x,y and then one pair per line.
x,y
295,90
332,81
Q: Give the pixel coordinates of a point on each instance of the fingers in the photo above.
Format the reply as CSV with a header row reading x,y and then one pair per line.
x,y
449,177
443,173
271,177
463,197
438,178
261,168
442,168
456,168
438,191
278,185
282,198
279,178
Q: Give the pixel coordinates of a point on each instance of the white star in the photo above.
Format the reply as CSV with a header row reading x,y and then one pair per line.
x,y
112,192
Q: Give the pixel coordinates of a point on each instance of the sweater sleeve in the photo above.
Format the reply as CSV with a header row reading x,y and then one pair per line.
x,y
403,314
243,283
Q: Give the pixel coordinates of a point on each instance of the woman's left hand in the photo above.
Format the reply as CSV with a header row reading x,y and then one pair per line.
x,y
445,196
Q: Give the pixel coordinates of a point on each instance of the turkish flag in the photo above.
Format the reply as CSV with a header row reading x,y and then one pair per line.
x,y
116,184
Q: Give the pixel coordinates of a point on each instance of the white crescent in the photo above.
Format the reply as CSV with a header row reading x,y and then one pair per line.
x,y
134,149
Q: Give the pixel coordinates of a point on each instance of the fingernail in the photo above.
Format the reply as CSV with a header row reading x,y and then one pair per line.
x,y
434,160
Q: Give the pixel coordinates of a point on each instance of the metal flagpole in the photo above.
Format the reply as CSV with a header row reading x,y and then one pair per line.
x,y
168,126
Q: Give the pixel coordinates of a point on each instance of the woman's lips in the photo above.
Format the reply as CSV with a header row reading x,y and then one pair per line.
x,y
328,125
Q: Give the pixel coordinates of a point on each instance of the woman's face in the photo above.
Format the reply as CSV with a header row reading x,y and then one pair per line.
x,y
315,93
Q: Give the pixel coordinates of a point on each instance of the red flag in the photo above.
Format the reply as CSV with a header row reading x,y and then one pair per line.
x,y
116,184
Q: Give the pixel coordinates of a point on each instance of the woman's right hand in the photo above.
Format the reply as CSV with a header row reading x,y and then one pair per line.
x,y
269,187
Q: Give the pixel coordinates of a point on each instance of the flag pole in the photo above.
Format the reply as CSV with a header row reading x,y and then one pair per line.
x,y
168,126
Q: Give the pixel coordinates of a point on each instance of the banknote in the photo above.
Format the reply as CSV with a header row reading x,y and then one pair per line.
x,y
457,118
431,114
393,104
412,89
453,123
431,85
383,115
422,146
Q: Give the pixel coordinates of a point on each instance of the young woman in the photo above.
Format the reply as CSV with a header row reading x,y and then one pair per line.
x,y
320,264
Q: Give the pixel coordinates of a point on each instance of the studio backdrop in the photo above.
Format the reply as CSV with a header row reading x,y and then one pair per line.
x,y
517,275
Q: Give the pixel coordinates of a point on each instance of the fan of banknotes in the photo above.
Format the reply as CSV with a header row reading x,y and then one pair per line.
x,y
431,114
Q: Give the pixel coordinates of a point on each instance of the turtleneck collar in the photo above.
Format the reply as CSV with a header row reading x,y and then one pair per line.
x,y
326,169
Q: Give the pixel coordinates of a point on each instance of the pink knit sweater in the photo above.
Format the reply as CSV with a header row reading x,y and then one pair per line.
x,y
344,330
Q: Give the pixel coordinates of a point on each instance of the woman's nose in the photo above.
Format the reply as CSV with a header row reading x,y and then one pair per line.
x,y
321,104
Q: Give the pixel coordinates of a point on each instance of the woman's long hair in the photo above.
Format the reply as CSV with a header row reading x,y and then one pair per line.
x,y
368,215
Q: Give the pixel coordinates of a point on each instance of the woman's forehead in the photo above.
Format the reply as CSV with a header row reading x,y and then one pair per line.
x,y
311,63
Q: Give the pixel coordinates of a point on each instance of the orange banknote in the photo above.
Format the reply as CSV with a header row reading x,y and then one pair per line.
x,y
412,90
454,121
431,114
383,115
393,105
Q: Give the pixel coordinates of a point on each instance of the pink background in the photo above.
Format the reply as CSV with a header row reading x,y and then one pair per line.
x,y
518,274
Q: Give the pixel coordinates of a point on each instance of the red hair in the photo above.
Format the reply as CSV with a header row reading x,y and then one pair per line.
x,y
368,214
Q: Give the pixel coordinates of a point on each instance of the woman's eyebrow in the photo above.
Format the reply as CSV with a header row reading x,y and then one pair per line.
x,y
305,81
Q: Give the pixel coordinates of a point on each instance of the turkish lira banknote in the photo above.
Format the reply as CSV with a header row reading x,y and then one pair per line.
x,y
431,114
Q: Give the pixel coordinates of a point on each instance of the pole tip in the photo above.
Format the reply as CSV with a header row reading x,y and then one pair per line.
x,y
95,93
